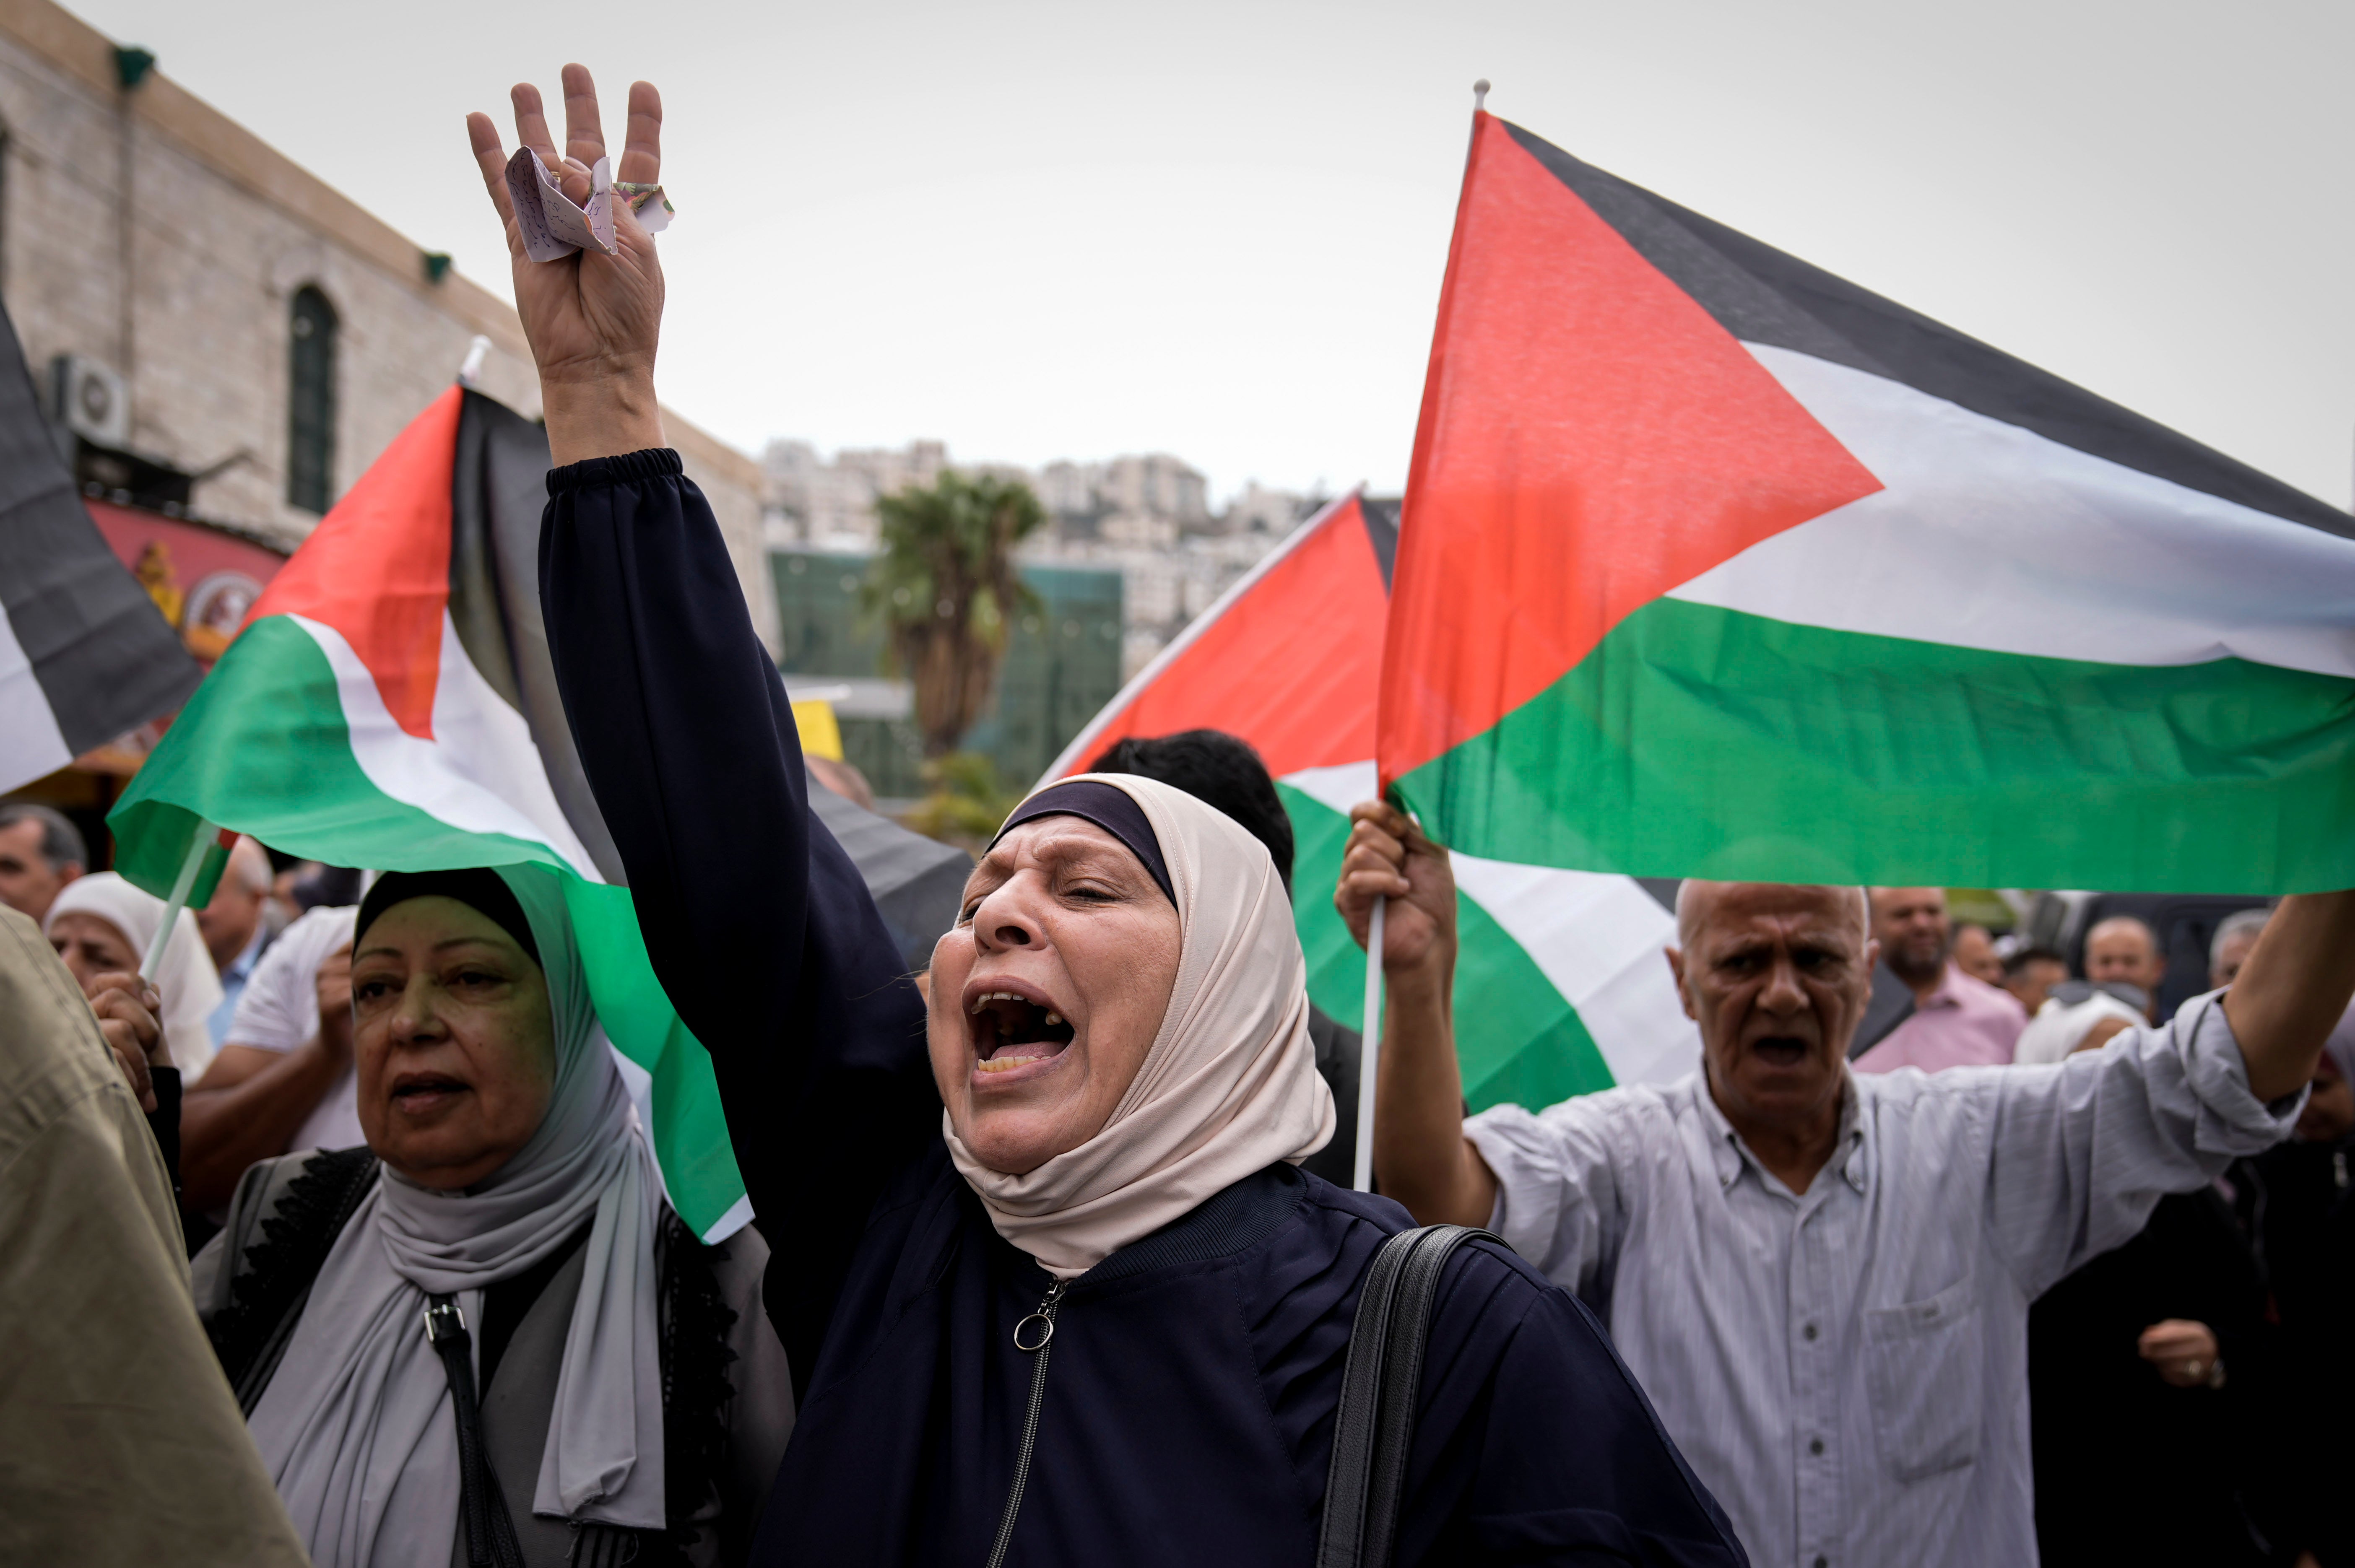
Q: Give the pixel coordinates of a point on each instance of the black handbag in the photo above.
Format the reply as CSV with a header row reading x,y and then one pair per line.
x,y
1375,1422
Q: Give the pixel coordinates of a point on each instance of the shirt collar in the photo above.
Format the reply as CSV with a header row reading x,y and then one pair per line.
x,y
1728,1154
242,965
1948,993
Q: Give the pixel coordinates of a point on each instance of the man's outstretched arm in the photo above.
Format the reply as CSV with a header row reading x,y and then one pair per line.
x,y
1421,1155
2293,989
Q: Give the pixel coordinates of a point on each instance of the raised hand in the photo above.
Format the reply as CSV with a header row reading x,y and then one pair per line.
x,y
334,984
593,320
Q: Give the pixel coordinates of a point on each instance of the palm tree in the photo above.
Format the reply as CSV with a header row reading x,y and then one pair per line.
x,y
947,590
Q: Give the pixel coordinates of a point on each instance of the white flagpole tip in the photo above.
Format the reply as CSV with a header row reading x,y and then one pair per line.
x,y
1479,95
476,352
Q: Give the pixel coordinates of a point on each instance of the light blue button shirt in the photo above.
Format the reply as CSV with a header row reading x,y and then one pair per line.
x,y
1847,1368
232,983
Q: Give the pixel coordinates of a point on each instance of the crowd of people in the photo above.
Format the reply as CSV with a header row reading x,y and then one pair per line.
x,y
330,1232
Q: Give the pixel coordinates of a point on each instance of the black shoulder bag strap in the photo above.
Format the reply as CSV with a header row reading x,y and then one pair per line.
x,y
1375,1421
490,1529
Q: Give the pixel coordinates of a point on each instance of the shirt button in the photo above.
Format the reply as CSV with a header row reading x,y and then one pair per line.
x,y
1809,1330
1816,1446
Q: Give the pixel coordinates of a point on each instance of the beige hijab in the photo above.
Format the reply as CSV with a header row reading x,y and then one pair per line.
x,y
1230,1085
185,979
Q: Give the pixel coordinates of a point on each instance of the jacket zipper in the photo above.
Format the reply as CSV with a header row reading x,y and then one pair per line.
x,y
1044,1338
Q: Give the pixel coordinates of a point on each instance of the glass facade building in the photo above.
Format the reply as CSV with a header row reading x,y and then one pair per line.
x,y
1062,665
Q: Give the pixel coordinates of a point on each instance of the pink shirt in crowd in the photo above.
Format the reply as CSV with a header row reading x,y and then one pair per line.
x,y
1965,1022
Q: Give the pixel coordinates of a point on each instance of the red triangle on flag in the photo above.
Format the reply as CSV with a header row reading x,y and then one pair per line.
x,y
1590,438
376,568
1288,661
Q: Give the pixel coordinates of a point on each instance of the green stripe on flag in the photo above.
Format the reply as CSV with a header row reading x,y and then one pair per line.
x,y
275,760
1518,1040
263,748
1337,966
1703,742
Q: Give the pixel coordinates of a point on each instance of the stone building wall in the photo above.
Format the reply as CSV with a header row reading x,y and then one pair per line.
x,y
145,230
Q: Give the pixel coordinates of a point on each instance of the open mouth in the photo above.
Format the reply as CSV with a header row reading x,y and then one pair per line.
x,y
1780,1049
1010,1030
422,1091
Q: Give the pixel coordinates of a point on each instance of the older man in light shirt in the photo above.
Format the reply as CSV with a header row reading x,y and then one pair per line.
x,y
1821,1278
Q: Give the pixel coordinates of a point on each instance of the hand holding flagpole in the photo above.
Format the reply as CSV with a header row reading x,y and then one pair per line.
x,y
1397,894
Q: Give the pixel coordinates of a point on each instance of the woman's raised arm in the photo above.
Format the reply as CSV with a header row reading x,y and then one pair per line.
x,y
761,928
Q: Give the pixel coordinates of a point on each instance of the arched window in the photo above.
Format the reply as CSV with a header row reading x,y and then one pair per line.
x,y
311,402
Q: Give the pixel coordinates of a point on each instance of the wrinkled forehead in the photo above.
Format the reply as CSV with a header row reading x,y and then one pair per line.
x,y
1714,913
1056,843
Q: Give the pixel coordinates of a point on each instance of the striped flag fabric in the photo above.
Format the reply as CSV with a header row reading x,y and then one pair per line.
x,y
1560,986
1716,564
85,655
390,703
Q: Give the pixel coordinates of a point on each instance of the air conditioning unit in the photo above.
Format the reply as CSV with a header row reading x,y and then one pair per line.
x,y
92,400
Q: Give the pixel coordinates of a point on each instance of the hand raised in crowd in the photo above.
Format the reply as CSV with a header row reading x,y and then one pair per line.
x,y
335,984
593,320
2184,1352
129,1013
1388,856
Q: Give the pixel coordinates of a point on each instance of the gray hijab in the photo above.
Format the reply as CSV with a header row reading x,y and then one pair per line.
x,y
356,1427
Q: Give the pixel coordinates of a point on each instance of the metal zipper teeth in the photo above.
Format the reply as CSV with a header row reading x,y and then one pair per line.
x,y
1047,1309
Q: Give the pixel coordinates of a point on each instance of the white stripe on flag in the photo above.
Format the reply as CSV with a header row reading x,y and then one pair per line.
x,y
1599,938
31,744
480,773
1602,940
1988,536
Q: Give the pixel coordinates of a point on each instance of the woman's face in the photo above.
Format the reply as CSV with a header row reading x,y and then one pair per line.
x,y
1049,992
92,945
454,1052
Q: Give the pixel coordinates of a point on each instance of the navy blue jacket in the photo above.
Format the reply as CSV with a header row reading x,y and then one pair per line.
x,y
1188,1406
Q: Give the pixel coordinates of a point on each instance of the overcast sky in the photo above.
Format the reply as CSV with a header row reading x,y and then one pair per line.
x,y
1061,230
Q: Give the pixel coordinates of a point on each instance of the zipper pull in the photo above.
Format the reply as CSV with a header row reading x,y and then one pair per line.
x,y
1044,1316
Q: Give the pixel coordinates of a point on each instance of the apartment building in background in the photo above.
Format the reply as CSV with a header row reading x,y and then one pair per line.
x,y
1146,517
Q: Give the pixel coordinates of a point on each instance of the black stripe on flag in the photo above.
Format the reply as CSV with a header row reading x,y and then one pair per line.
x,y
1761,295
498,489
105,658
1381,532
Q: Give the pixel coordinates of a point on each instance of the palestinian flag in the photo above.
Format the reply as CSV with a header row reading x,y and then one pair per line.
x,y
1560,986
84,653
1714,564
390,703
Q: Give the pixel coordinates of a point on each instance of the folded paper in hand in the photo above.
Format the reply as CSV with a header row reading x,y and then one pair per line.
x,y
554,227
